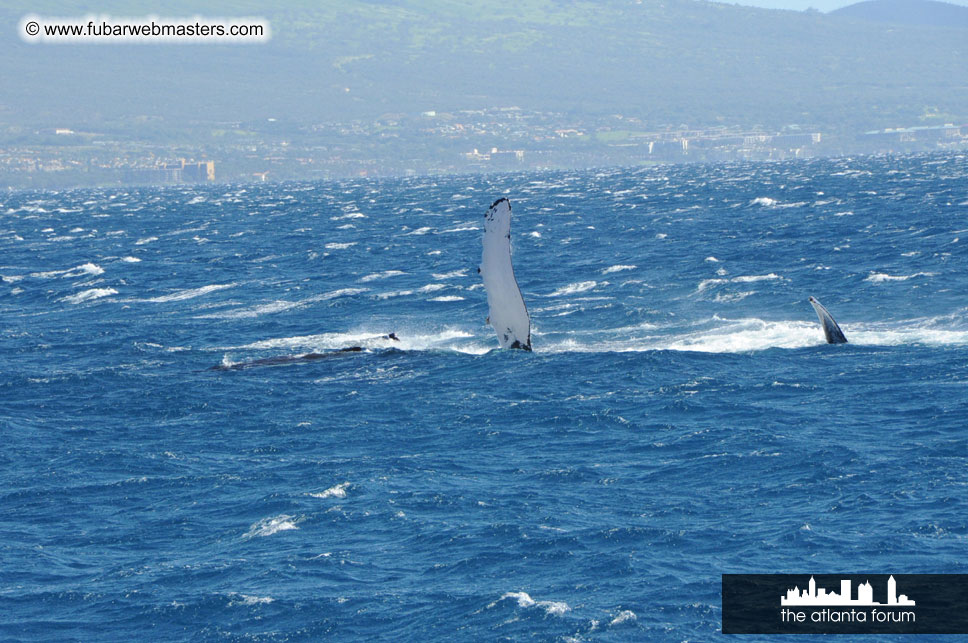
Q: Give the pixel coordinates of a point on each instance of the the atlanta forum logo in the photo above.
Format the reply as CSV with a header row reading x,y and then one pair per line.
x,y
863,608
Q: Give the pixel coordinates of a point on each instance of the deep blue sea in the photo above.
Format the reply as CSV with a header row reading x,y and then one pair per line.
x,y
681,415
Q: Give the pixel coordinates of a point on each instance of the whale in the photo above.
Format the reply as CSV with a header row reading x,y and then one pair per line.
x,y
285,359
282,360
830,328
507,313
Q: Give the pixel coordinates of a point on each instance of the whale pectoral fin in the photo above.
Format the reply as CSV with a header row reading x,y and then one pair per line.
x,y
506,310
831,329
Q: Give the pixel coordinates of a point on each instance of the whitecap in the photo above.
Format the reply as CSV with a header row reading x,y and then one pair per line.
x,y
623,617
91,294
252,600
336,491
78,271
394,293
432,287
706,283
141,242
447,298
580,286
764,201
552,608
340,246
130,260
618,268
181,295
269,526
450,275
880,277
751,278
381,275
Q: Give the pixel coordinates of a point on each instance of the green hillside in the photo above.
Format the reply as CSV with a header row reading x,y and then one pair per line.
x,y
667,62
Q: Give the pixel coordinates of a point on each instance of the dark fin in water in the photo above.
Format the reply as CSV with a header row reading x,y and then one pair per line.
x,y
830,328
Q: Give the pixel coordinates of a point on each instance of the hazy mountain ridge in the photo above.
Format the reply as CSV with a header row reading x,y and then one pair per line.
x,y
678,61
908,12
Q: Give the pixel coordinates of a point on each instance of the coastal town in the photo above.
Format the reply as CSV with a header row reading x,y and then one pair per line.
x,y
149,151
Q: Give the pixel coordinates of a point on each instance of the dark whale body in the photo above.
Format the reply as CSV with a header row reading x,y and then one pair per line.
x,y
285,359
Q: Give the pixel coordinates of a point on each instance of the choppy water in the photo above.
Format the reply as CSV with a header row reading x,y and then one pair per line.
x,y
680,418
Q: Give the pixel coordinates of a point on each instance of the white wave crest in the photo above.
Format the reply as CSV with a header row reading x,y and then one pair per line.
x,y
570,289
336,491
552,608
618,268
181,295
90,269
450,275
90,294
623,616
381,275
269,526
751,278
764,201
880,277
248,600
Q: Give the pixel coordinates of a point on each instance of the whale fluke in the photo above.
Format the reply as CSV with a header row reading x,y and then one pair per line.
x,y
507,312
830,328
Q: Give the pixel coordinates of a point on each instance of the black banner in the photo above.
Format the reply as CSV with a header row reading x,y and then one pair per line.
x,y
845,604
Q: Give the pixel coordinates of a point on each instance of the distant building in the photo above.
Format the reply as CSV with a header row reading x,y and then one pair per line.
x,y
180,172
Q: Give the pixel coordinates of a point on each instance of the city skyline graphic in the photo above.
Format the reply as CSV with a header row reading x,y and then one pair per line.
x,y
818,596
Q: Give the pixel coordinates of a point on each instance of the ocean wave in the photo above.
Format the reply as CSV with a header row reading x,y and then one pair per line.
x,y
551,608
87,269
181,295
381,275
618,268
89,295
336,491
248,600
270,526
280,305
880,277
450,275
623,617
745,279
570,289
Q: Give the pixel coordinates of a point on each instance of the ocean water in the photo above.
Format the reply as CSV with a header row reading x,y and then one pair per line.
x,y
680,417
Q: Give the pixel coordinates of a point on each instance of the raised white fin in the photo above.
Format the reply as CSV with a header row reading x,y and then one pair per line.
x,y
830,328
508,314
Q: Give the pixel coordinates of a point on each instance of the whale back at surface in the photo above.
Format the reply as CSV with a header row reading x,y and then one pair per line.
x,y
507,312
830,328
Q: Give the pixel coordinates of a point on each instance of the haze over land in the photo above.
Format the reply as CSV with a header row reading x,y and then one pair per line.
x,y
662,64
